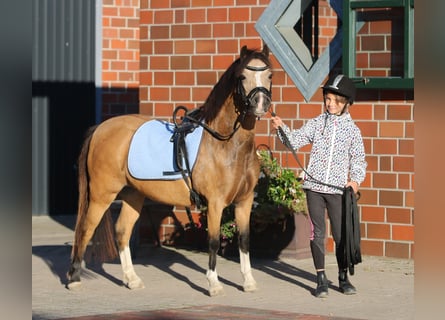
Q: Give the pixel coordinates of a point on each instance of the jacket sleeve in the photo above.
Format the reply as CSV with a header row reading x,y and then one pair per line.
x,y
299,137
358,163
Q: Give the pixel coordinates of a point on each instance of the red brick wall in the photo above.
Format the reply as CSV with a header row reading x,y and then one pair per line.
x,y
388,126
120,57
185,46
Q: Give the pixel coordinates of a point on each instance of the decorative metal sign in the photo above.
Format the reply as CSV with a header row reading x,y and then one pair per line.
x,y
277,28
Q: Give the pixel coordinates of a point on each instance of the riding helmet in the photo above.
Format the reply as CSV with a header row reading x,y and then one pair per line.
x,y
341,85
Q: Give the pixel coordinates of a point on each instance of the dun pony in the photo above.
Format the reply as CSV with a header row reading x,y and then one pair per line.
x,y
225,172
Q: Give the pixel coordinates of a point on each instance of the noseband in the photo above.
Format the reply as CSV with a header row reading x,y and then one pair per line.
x,y
248,100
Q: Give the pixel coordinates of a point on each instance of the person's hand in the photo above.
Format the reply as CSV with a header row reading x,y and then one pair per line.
x,y
276,122
354,186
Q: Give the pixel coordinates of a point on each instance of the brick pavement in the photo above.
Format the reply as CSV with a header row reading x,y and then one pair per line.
x,y
210,312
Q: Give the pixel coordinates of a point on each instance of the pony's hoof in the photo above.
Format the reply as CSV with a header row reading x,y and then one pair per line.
x,y
216,291
75,285
133,282
137,284
250,287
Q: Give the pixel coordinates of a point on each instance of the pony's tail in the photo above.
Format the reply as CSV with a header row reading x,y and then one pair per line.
x,y
104,247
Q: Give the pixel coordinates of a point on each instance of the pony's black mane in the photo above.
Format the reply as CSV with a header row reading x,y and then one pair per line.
x,y
228,82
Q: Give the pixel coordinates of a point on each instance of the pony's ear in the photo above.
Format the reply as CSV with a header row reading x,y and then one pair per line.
x,y
266,50
243,52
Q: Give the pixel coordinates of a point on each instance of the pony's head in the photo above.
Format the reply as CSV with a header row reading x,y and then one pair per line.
x,y
248,80
253,82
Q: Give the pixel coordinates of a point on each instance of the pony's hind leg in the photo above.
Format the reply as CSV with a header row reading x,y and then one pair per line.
x,y
242,220
85,228
132,202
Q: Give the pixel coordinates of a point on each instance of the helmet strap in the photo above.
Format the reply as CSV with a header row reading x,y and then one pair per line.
x,y
345,107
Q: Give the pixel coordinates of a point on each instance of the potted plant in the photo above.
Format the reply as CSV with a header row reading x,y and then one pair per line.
x,y
278,193
228,236
279,222
229,233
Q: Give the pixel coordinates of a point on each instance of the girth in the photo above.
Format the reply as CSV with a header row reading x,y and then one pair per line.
x,y
181,156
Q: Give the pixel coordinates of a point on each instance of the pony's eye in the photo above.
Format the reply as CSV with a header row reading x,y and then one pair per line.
x,y
242,77
270,76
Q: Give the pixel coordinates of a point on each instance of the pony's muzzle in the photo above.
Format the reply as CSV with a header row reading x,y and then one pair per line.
x,y
259,100
261,103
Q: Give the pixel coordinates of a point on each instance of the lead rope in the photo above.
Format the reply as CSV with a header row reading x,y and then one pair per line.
x,y
288,145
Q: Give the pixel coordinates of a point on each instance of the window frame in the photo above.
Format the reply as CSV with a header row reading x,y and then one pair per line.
x,y
349,44
275,26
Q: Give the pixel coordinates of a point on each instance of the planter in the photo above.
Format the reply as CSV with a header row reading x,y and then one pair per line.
x,y
286,238
229,248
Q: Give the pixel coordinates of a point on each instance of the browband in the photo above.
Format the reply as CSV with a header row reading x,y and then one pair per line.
x,y
251,68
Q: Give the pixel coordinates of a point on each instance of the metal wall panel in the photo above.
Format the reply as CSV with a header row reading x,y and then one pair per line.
x,y
63,104
40,152
63,40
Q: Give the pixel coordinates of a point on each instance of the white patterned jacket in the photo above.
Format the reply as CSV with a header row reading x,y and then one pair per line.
x,y
337,154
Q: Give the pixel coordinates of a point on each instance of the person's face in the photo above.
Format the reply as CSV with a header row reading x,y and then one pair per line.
x,y
334,103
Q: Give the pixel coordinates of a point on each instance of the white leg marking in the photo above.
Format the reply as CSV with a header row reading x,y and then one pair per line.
x,y
130,278
249,282
215,287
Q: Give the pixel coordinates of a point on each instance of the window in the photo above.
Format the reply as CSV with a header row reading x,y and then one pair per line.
x,y
374,37
378,43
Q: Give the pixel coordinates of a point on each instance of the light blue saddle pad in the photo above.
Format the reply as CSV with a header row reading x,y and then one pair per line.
x,y
151,155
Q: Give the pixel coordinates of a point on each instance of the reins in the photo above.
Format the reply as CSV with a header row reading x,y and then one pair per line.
x,y
188,116
188,124
215,133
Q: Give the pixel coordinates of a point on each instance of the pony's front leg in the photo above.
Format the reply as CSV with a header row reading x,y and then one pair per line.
x,y
214,229
246,270
215,287
243,223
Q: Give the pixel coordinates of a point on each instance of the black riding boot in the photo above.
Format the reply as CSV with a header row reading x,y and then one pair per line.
x,y
322,285
345,286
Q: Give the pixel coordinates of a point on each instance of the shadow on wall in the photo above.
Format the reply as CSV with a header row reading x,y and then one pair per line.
x,y
62,113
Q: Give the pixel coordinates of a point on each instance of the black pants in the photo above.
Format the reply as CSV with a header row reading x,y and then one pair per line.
x,y
318,203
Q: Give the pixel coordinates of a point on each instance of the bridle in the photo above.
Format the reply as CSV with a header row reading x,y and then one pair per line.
x,y
246,100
